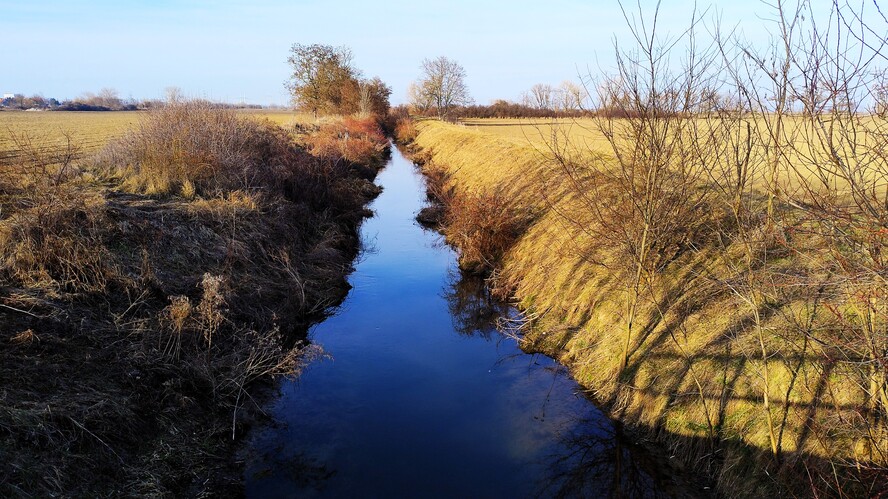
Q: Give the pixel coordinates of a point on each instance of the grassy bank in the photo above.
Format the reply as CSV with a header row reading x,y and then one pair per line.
x,y
735,366
152,289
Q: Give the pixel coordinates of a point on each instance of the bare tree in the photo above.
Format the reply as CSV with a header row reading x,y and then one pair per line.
x,y
420,101
541,96
109,97
442,86
173,95
571,96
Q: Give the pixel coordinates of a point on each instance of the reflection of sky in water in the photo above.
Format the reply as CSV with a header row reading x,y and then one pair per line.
x,y
407,405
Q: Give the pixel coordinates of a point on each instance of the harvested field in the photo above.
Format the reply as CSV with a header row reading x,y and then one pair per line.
x,y
88,132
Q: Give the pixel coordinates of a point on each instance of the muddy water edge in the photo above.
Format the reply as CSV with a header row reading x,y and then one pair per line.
x,y
419,395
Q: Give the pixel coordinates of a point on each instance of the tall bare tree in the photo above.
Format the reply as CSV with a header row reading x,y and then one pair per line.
x,y
571,96
541,96
442,86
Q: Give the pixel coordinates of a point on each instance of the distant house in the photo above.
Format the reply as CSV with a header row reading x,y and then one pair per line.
x,y
8,96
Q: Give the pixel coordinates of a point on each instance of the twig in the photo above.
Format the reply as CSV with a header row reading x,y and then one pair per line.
x,y
23,312
97,438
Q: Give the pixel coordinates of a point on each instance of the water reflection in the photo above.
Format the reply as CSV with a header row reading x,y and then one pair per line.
x,y
594,457
473,309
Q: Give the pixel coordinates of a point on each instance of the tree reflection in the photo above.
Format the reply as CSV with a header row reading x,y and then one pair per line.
x,y
472,308
596,459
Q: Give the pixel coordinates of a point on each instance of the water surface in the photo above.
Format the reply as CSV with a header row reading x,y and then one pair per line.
x,y
422,398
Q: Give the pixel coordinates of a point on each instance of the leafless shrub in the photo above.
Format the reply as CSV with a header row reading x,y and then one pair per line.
x,y
193,147
767,163
644,202
483,227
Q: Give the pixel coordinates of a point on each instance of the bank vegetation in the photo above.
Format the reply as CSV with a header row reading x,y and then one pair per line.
x,y
713,266
150,292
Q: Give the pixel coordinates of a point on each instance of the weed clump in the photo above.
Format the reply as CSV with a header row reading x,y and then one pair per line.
x,y
484,227
405,131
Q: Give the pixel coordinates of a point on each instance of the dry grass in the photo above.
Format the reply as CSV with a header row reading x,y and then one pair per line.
x,y
141,326
356,140
539,131
694,370
92,130
405,131
583,136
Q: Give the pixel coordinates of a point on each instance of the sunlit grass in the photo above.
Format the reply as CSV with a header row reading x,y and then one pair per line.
x,y
584,136
88,132
571,283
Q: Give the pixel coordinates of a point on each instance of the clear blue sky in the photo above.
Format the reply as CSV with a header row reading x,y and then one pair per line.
x,y
236,49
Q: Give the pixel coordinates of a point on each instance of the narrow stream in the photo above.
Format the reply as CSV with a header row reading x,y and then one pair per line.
x,y
423,398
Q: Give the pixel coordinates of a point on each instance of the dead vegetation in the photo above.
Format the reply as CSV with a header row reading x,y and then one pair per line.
x,y
483,226
146,295
715,274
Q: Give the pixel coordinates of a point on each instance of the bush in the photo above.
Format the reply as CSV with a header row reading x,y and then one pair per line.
x,y
405,131
484,227
354,140
194,147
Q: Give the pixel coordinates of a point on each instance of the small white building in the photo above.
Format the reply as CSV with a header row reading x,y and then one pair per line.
x,y
8,96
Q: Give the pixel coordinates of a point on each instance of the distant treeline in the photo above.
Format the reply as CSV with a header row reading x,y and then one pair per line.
x,y
506,109
501,109
105,100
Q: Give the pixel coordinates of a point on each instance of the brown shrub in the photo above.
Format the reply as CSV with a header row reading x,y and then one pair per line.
x,y
352,139
483,227
405,131
193,147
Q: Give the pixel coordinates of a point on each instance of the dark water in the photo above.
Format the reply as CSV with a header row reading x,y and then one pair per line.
x,y
422,398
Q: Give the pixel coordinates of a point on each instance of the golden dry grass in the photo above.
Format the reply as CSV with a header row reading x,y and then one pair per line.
x,y
584,136
538,131
698,339
90,131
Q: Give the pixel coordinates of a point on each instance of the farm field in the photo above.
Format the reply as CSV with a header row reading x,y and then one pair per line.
x,y
87,131
582,136
538,131
90,131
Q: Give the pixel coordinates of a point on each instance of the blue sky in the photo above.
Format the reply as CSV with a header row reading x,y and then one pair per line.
x,y
233,49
